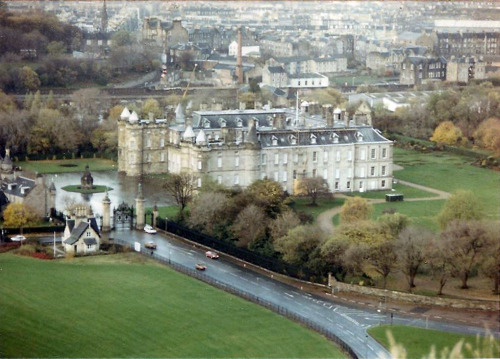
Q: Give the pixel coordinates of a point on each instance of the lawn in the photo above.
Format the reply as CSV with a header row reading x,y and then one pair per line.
x,y
127,306
449,173
302,204
418,342
166,211
64,166
408,191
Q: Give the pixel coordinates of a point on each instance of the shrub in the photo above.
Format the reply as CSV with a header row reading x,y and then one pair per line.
x,y
5,247
26,250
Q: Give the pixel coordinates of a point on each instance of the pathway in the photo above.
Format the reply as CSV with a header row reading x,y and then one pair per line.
x,y
325,219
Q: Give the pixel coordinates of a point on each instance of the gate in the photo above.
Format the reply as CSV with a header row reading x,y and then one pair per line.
x,y
123,217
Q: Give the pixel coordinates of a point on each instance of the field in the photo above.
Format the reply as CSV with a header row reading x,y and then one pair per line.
x,y
127,306
449,173
302,205
64,166
407,191
418,342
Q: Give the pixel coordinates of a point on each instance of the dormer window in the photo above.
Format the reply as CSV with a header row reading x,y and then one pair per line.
x,y
313,139
206,123
275,140
335,138
293,140
239,122
222,122
359,136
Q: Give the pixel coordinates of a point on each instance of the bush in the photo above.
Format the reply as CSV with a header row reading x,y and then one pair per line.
x,y
5,247
26,250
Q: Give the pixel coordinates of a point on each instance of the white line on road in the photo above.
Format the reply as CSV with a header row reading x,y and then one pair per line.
x,y
369,346
291,296
348,331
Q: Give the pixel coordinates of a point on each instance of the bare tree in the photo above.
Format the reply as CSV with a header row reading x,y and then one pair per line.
x,y
181,187
383,258
250,225
281,225
208,212
464,241
439,260
411,248
313,187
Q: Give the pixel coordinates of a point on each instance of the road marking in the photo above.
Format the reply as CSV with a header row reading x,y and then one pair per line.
x,y
257,284
331,321
291,296
348,331
349,318
318,313
369,346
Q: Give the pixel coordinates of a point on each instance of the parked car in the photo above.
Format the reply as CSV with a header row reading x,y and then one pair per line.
x,y
149,229
200,266
150,245
211,255
18,238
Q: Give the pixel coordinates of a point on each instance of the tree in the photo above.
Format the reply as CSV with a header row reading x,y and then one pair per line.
x,y
267,194
394,223
313,187
19,215
56,48
488,134
28,79
250,225
299,243
382,258
355,209
151,106
208,212
333,251
181,187
411,248
328,96
368,232
490,266
462,205
283,223
115,112
439,260
464,241
121,38
447,133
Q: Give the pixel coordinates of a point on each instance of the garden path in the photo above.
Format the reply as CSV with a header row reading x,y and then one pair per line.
x,y
325,219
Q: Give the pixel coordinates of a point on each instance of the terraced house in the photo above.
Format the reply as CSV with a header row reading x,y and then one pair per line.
x,y
237,147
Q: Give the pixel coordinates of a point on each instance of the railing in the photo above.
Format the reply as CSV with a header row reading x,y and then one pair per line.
x,y
248,296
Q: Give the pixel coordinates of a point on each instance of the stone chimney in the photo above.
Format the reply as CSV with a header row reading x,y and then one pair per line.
x,y
252,132
243,106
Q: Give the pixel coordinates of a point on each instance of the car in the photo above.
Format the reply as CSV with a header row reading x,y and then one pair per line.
x,y
18,238
150,245
149,229
200,266
211,255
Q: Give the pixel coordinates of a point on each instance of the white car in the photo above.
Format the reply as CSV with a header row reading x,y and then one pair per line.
x,y
18,238
149,229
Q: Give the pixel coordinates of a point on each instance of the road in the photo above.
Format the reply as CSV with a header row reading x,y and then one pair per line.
x,y
348,323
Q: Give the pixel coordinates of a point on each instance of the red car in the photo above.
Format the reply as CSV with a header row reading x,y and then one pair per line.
x,y
211,255
200,266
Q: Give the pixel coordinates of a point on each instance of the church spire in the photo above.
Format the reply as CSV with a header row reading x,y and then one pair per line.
x,y
104,18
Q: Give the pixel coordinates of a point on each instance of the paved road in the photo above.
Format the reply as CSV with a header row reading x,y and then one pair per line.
x,y
348,323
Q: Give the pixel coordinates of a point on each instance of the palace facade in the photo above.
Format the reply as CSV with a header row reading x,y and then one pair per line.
x,y
238,147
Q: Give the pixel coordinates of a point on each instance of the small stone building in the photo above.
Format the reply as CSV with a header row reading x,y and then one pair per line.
x,y
81,234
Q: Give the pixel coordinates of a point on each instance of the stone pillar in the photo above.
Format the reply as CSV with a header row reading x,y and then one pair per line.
x,y
106,214
52,197
139,206
155,215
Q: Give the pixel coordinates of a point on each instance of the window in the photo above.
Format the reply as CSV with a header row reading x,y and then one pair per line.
x,y
89,246
336,185
337,156
325,156
362,172
285,176
276,176
298,83
294,174
276,158
313,139
132,144
88,234
219,162
148,157
314,172
362,154
148,142
236,179
275,141
348,185
199,182
293,140
349,155
199,165
264,159
162,142
337,173
285,158
296,158
219,179
237,161
325,173
383,183
373,154
372,171
383,170
162,157
384,152
360,185
315,156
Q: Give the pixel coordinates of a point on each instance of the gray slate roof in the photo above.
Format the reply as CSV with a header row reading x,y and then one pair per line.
x,y
19,186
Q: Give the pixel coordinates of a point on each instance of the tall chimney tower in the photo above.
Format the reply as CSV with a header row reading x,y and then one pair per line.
x,y
239,61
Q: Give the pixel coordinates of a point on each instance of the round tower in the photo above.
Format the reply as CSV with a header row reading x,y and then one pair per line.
x,y
106,214
139,205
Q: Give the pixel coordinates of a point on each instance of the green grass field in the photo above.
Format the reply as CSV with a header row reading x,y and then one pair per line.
x,y
302,205
418,342
449,173
409,192
65,166
127,306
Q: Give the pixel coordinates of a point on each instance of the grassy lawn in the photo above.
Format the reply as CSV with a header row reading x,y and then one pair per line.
x,y
409,192
97,189
64,166
302,205
449,173
418,342
127,306
166,211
